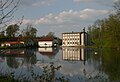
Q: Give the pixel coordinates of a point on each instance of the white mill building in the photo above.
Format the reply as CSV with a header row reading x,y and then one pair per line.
x,y
75,38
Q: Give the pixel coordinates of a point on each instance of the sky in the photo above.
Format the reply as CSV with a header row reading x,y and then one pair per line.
x,y
61,16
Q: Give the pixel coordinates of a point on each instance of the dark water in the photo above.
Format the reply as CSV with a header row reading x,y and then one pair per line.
x,y
78,64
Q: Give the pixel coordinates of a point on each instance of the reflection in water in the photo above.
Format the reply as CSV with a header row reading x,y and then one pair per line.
x,y
50,52
18,61
25,64
75,53
22,62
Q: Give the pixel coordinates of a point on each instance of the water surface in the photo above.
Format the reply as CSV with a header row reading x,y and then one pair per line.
x,y
78,64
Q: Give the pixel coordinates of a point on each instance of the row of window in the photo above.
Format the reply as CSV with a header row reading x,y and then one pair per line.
x,y
72,43
71,39
71,34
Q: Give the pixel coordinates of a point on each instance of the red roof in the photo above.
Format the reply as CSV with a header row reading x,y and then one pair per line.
x,y
46,39
13,42
11,39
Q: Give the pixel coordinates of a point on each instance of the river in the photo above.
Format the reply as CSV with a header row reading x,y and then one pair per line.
x,y
77,64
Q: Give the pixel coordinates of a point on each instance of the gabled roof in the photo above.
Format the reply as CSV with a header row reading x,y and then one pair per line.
x,y
46,39
13,42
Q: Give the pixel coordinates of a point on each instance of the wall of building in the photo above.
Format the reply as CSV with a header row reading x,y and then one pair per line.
x,y
5,44
71,39
82,39
45,43
75,39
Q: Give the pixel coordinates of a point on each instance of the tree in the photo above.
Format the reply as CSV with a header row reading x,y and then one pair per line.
x,y
50,34
12,30
29,31
7,8
33,32
2,34
108,34
117,7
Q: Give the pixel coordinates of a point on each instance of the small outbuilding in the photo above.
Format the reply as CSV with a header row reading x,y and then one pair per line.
x,y
46,42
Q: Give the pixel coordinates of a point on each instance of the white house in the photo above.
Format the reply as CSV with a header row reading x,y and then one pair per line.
x,y
45,42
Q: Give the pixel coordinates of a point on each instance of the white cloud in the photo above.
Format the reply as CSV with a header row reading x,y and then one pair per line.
x,y
116,0
72,16
27,21
68,17
92,13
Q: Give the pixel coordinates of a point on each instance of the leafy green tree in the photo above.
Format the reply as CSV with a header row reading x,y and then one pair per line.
x,y
12,30
106,32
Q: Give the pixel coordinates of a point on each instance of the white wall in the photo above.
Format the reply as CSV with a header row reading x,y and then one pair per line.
x,y
42,43
82,39
5,44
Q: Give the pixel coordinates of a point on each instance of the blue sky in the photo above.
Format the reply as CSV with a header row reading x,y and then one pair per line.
x,y
60,16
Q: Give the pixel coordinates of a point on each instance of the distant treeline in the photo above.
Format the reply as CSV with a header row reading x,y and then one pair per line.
x,y
106,32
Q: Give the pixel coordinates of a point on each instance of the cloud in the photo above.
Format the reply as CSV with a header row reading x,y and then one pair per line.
x,y
27,21
68,17
37,2
92,13
116,0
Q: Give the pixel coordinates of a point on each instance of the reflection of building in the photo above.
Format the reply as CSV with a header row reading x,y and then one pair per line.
x,y
17,57
48,51
12,52
75,39
16,52
74,53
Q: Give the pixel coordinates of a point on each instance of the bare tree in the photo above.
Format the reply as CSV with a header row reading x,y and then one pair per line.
x,y
7,9
29,31
117,7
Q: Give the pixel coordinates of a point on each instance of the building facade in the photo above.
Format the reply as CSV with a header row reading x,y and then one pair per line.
x,y
11,41
74,39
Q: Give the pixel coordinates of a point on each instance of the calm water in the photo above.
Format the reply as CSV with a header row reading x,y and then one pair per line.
x,y
78,64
